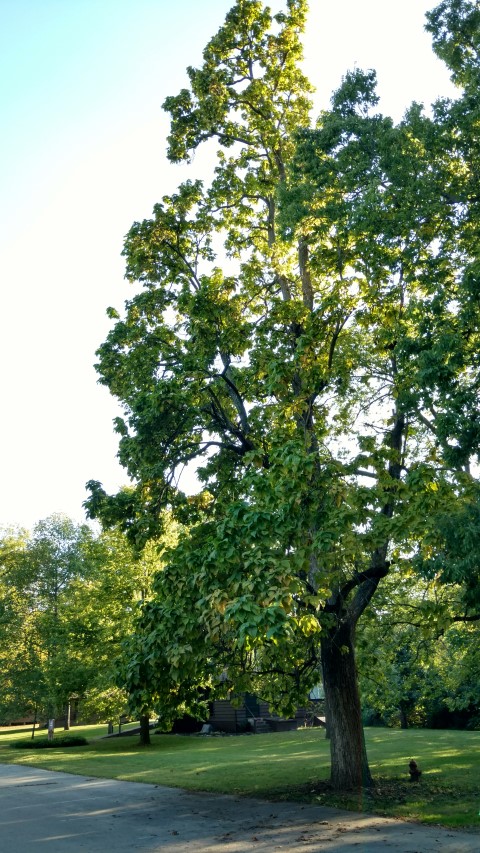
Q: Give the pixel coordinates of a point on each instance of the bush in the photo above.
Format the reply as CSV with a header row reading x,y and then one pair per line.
x,y
44,743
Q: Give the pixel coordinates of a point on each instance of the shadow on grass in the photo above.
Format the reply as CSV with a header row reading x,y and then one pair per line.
x,y
295,766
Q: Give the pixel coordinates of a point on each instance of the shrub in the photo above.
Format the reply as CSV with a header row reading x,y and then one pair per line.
x,y
44,743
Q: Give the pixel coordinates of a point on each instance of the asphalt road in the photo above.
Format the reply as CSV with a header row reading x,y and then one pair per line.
x,y
59,813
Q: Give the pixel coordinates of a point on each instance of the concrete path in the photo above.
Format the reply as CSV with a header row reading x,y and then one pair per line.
x,y
53,812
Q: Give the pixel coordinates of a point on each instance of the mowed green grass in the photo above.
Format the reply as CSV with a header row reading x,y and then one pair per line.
x,y
289,765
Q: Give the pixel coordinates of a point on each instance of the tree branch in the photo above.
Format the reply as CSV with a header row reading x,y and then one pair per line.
x,y
234,394
307,289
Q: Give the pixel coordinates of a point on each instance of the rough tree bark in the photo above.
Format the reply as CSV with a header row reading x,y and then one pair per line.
x,y
349,764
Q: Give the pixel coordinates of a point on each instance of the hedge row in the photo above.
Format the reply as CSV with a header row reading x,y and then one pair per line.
x,y
45,743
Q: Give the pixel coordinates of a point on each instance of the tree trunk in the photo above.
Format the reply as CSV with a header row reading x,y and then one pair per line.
x,y
403,718
349,763
68,714
145,730
34,723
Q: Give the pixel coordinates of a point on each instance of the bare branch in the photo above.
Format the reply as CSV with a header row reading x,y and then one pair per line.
x,y
362,473
426,423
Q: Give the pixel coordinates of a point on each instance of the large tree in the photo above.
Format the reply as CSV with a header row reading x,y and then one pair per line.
x,y
306,334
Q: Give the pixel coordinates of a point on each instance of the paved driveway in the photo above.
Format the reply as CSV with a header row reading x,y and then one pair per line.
x,y
58,813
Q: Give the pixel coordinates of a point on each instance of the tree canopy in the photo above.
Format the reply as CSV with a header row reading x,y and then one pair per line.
x,y
306,334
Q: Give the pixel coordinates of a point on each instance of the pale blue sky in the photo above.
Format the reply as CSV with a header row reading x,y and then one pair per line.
x,y
82,155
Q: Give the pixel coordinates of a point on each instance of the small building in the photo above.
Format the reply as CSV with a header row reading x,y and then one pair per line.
x,y
249,713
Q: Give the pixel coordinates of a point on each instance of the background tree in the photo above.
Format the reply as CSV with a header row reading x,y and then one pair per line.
x,y
68,599
38,575
23,687
412,651
324,380
110,604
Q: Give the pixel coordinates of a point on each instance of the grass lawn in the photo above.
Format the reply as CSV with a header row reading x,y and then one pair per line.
x,y
287,765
